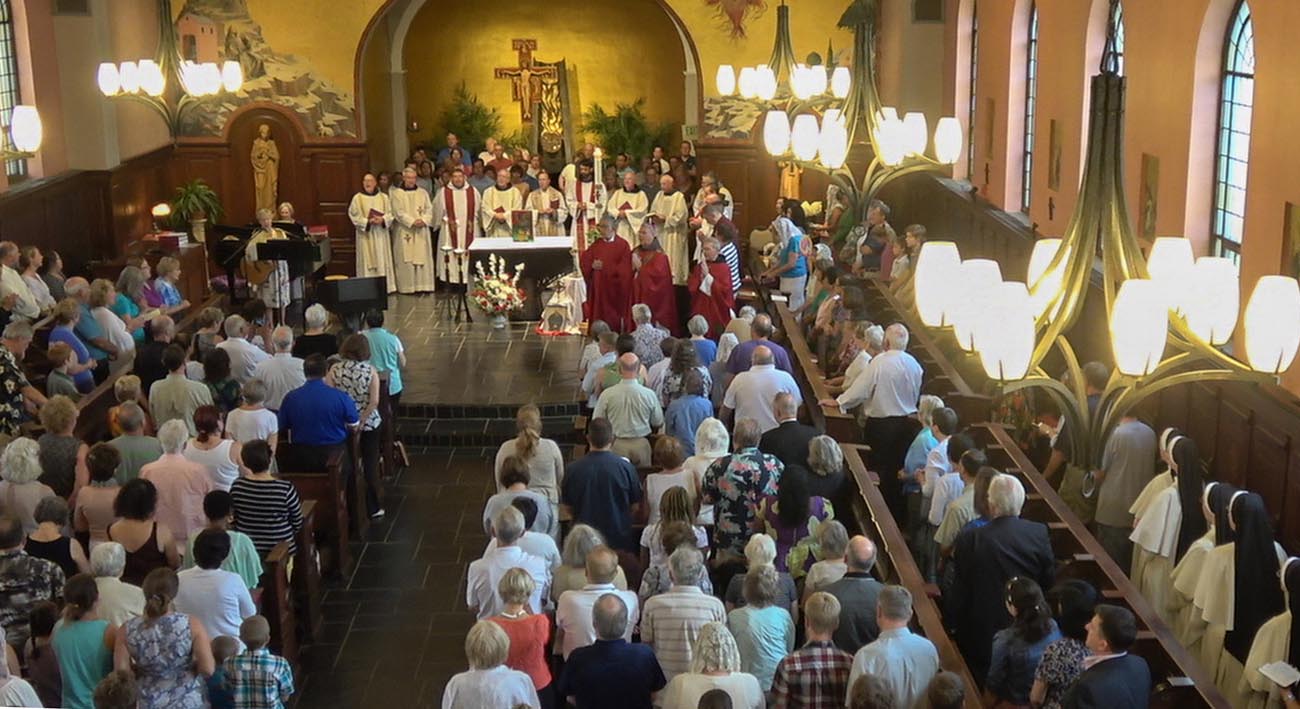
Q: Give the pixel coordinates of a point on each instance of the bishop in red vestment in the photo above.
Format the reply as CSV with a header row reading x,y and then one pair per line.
x,y
710,288
607,269
653,284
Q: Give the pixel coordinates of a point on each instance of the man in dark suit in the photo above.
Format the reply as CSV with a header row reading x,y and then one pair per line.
x,y
789,440
1111,677
857,592
985,559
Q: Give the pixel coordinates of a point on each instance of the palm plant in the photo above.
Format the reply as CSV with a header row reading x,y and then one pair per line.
x,y
470,119
626,130
195,200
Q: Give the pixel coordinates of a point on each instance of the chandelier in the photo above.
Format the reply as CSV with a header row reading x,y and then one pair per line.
x,y
1169,313
823,111
167,84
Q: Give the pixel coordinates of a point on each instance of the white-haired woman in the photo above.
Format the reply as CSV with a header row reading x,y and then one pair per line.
x,y
180,483
118,331
715,664
707,349
760,550
488,682
763,630
712,441
572,575
21,489
118,601
314,339
718,368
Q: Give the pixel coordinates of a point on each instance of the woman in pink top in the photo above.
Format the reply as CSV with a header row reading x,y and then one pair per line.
x,y
529,633
181,483
94,511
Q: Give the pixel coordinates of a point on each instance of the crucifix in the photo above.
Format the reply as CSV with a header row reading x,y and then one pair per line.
x,y
526,79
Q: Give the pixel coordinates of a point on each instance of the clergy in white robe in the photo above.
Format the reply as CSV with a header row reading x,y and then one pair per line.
x,y
499,203
549,208
585,198
709,184
669,212
456,210
1273,644
371,213
629,207
413,237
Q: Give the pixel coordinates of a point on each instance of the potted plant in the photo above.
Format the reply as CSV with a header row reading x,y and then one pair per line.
x,y
195,203
470,119
496,290
626,130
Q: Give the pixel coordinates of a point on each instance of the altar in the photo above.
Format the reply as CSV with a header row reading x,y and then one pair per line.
x,y
545,259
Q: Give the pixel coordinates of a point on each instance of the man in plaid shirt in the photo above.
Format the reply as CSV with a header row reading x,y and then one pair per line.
x,y
258,679
816,675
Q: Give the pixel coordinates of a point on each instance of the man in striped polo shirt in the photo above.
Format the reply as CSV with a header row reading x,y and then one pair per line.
x,y
671,621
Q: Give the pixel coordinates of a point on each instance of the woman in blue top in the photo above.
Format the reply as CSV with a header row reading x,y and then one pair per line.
x,y
791,264
386,354
82,643
130,298
1017,649
66,315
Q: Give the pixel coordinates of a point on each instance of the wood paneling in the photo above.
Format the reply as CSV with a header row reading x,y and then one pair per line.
x,y
746,170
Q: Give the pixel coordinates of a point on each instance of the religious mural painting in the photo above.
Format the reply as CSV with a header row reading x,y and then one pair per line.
x,y
733,14
220,30
541,90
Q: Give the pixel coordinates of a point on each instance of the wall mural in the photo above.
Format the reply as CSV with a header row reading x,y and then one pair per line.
x,y
733,14
217,30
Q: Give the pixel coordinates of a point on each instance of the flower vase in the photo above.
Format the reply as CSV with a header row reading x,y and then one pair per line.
x,y
499,321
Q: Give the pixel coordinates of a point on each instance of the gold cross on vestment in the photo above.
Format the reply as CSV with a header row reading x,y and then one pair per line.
x,y
526,79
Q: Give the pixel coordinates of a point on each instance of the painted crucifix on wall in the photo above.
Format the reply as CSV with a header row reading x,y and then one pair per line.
x,y
526,79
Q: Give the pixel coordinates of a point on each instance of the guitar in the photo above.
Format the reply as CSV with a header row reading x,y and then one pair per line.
x,y
258,272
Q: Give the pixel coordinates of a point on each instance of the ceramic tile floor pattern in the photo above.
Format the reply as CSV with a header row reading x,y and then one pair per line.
x,y
395,628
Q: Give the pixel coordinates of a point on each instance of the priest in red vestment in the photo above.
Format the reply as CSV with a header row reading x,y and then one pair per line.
x,y
653,284
710,288
607,269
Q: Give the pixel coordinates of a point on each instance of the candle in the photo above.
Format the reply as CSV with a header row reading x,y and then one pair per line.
x,y
600,173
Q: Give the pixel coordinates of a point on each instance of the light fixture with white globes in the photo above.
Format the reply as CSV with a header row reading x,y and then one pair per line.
x,y
976,281
805,137
1004,332
776,132
746,83
172,86
1170,264
1270,343
726,79
25,129
935,275
840,82
916,134
947,140
1139,327
1211,311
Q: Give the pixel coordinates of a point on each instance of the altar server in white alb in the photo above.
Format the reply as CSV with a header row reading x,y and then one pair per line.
x,y
499,201
669,212
371,213
628,206
413,238
586,199
549,205
456,210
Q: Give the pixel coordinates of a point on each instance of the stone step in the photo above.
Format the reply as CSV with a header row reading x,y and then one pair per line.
x,y
470,431
484,411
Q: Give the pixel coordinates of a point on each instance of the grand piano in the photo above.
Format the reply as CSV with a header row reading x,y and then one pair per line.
x,y
307,251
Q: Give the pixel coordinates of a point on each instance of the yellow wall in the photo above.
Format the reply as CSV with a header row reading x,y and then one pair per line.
x,y
616,52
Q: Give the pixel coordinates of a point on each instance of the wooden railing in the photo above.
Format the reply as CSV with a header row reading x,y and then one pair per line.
x,y
839,425
327,488
896,565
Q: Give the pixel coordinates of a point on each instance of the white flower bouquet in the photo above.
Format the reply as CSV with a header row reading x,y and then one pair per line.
x,y
496,290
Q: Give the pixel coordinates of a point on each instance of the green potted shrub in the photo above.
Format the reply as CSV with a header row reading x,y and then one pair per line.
x,y
195,203
626,130
470,119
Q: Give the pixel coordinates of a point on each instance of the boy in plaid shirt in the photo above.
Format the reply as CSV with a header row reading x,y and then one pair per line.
x,y
816,676
256,678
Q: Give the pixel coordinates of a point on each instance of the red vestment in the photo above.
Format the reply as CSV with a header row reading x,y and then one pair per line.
x,y
717,304
654,287
609,289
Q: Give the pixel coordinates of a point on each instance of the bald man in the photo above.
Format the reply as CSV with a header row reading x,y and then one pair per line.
x,y
751,393
574,619
634,411
857,592
789,440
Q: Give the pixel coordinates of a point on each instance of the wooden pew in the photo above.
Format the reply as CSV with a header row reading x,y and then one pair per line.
x,y
896,565
838,425
332,527
1179,679
278,606
306,581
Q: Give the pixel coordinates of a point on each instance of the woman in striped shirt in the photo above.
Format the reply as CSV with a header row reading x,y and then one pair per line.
x,y
267,509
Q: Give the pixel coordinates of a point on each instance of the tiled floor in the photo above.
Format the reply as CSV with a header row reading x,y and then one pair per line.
x,y
471,363
395,629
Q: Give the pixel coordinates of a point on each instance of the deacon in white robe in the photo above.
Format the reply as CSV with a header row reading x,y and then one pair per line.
x,y
456,209
629,206
586,200
413,237
499,202
709,183
669,212
549,208
371,213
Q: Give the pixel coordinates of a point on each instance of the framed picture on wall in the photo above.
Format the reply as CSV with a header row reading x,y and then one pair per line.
x,y
1148,195
1291,241
1054,156
988,118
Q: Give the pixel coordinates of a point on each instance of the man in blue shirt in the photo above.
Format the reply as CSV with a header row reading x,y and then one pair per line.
x,y
611,672
101,349
760,332
315,421
688,411
601,488
452,143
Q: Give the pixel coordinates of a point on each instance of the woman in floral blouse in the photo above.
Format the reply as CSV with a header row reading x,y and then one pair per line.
x,y
1072,602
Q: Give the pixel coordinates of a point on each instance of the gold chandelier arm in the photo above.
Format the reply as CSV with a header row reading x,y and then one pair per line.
x,y
1139,392
165,111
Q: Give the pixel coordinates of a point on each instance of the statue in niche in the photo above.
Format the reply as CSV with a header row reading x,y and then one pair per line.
x,y
266,169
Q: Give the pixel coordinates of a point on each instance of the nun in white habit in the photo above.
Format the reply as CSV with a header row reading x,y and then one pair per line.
x,y
1164,533
1213,597
1256,595
1187,624
1144,499
1277,640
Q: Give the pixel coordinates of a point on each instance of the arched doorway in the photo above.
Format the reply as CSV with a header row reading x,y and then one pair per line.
x,y
409,64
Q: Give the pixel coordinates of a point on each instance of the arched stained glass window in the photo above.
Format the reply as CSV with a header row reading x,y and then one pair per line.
x,y
1232,157
1031,97
9,93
